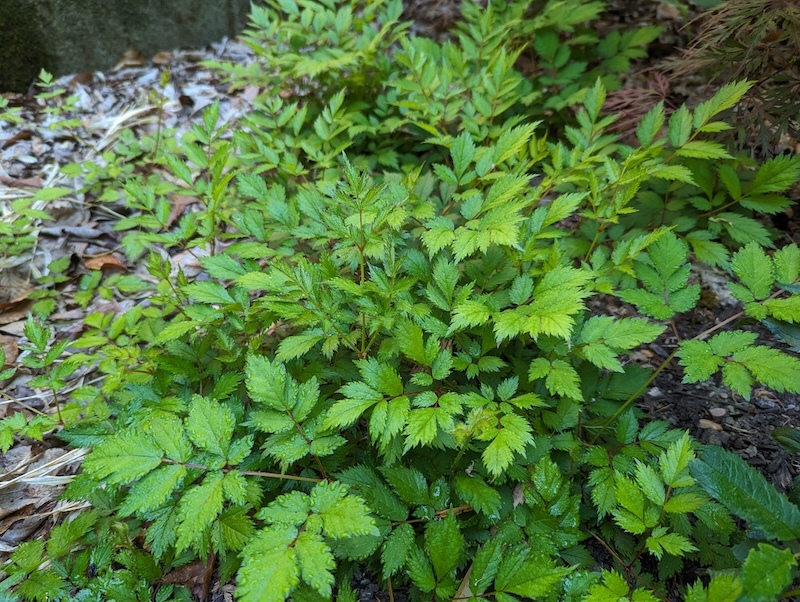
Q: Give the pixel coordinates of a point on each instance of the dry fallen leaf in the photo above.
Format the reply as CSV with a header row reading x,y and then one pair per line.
x,y
709,424
9,345
13,289
162,58
131,58
179,203
195,576
20,182
106,263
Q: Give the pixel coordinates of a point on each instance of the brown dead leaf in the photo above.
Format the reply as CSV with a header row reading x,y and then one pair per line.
x,y
106,263
709,424
9,345
179,203
196,576
186,574
83,78
163,58
131,58
16,313
13,291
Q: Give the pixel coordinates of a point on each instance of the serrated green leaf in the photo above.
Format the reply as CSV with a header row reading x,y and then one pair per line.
x,y
396,549
462,152
562,207
776,175
359,397
661,542
511,141
235,528
703,149
621,333
438,235
721,588
174,331
269,570
467,314
743,229
153,489
482,497
698,360
378,496
512,436
560,377
381,376
343,514
388,419
197,509
650,124
409,339
420,570
752,266
423,426
706,250
680,127
408,483
234,486
630,515
786,310
63,538
766,573
297,345
170,436
41,586
771,367
673,462
650,483
603,491
210,425
664,273
787,264
209,292
123,458
252,185
51,193
485,566
535,578
685,502
444,545
725,98
673,173
746,493
315,561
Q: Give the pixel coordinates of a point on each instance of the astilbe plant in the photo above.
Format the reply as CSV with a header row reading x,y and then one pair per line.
x,y
389,366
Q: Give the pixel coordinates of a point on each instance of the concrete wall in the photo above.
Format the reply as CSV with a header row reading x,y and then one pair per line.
x,y
66,36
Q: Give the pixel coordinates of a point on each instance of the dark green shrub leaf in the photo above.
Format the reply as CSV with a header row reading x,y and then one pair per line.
x,y
766,572
746,493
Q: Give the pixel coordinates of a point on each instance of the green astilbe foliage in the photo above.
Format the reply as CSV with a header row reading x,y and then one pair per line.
x,y
389,365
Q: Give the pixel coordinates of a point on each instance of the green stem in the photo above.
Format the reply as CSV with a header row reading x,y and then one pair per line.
x,y
634,397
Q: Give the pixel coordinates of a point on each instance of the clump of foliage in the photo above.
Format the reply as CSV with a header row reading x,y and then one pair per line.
x,y
758,40
389,364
